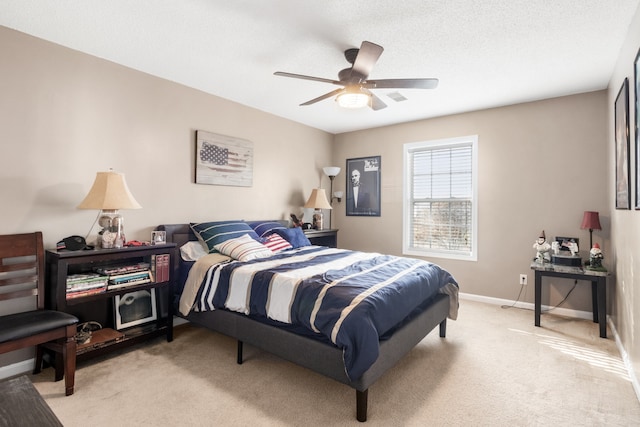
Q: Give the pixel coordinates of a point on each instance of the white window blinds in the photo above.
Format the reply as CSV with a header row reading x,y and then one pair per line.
x,y
439,200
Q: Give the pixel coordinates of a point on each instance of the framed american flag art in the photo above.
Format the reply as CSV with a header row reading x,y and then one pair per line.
x,y
223,160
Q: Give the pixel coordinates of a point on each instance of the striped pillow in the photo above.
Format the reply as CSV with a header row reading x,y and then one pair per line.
x,y
244,249
214,233
264,228
276,243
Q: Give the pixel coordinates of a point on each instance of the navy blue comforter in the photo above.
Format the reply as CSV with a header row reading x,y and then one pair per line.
x,y
351,298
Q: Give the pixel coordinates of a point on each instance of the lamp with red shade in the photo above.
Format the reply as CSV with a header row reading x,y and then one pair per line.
x,y
591,220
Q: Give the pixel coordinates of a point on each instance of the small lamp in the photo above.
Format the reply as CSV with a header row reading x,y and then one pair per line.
x,y
317,201
108,194
591,220
332,172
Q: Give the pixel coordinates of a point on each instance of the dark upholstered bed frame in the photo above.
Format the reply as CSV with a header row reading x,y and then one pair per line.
x,y
318,356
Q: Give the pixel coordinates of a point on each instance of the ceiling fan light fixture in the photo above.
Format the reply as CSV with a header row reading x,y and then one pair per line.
x,y
353,98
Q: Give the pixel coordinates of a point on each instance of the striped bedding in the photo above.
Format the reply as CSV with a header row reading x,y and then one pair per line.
x,y
351,298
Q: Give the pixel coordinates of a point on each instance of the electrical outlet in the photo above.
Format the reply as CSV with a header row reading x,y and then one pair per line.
x,y
523,279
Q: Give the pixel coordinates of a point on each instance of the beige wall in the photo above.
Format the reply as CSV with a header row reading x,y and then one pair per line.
x,y
66,115
625,227
541,165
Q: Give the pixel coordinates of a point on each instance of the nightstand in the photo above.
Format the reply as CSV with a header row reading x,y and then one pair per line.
x,y
322,237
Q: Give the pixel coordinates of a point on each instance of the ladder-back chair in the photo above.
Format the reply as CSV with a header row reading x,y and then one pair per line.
x,y
21,276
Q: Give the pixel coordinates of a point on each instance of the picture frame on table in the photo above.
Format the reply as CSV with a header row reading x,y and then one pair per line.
x,y
363,186
135,308
622,143
636,80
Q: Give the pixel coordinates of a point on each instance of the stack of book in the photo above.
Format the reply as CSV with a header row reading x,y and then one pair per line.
x,y
80,285
123,276
160,264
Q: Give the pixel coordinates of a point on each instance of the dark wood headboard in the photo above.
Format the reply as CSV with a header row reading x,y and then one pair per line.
x,y
182,233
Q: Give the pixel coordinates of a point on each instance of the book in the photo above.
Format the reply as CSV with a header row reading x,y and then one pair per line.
x,y
84,278
137,274
85,286
162,267
121,285
86,292
166,266
122,269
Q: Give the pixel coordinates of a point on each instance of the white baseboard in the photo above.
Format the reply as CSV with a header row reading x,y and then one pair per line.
x,y
22,367
625,359
527,305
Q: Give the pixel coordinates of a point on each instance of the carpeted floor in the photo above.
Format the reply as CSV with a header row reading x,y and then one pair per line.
x,y
494,368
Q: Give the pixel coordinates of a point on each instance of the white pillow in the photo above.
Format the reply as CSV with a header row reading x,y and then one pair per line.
x,y
193,251
243,248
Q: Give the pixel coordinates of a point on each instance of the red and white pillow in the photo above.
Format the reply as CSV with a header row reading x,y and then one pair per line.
x,y
276,243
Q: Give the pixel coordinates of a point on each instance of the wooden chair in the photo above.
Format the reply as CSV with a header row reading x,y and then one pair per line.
x,y
21,276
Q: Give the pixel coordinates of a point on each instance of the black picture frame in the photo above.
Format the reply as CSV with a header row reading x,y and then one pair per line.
x,y
636,74
365,172
623,173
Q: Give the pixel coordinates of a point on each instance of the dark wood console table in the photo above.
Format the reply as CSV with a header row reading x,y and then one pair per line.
x,y
598,281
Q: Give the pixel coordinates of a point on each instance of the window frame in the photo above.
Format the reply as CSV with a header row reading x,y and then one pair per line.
x,y
407,200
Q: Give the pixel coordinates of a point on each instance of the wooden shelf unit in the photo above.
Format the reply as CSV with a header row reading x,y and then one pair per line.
x,y
100,307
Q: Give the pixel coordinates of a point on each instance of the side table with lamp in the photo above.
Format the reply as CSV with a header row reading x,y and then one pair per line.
x,y
596,275
124,313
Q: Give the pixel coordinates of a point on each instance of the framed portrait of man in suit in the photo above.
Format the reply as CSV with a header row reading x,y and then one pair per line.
x,y
363,186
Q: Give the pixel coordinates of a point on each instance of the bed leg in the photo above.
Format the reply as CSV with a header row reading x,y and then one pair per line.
x,y
443,328
239,359
361,405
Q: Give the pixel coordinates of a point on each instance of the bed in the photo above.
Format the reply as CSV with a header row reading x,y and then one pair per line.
x,y
238,297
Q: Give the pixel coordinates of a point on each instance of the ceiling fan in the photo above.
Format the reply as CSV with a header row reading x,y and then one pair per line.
x,y
355,91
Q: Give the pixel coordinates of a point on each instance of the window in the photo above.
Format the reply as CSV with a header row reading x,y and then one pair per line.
x,y
440,198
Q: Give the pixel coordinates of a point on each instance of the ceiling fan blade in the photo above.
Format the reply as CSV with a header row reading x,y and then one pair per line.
x,y
325,96
374,102
401,84
367,57
303,77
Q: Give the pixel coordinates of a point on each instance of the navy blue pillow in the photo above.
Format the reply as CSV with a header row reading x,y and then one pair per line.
x,y
295,236
213,233
264,228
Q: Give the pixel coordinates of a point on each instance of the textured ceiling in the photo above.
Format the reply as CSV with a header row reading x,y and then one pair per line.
x,y
485,53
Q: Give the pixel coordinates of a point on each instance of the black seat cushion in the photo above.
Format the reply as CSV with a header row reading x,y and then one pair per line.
x,y
21,325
